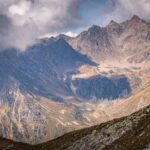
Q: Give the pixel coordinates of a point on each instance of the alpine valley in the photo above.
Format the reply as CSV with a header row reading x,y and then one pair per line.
x,y
61,84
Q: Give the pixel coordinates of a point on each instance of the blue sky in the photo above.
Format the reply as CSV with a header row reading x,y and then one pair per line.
x,y
89,11
101,12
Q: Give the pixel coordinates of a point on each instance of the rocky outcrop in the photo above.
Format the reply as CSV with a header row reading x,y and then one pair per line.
x,y
131,132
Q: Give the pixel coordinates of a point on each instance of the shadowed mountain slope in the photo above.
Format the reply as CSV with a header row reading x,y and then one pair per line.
x,y
40,69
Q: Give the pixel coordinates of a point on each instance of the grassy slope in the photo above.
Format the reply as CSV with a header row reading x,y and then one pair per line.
x,y
134,139
67,140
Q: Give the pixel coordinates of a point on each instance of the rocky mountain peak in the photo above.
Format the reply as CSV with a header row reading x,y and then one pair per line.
x,y
94,28
113,23
96,31
135,26
114,27
63,36
135,21
136,18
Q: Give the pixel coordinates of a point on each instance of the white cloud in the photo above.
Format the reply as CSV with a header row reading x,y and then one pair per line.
x,y
140,8
55,34
31,18
71,34
48,35
20,9
21,21
121,10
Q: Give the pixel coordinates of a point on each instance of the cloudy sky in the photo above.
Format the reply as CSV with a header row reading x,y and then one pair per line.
x,y
22,21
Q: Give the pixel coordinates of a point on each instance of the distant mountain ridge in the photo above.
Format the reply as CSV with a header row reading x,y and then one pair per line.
x,y
115,41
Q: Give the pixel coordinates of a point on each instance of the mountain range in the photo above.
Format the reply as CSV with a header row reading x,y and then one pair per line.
x,y
61,84
115,41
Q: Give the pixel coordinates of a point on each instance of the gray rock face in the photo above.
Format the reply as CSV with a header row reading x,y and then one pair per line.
x,y
115,41
92,42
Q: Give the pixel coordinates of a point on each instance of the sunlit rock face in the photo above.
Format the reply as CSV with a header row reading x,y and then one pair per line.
x,y
21,118
117,41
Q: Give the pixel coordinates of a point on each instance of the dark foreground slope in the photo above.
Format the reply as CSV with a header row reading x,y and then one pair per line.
x,y
132,132
9,145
